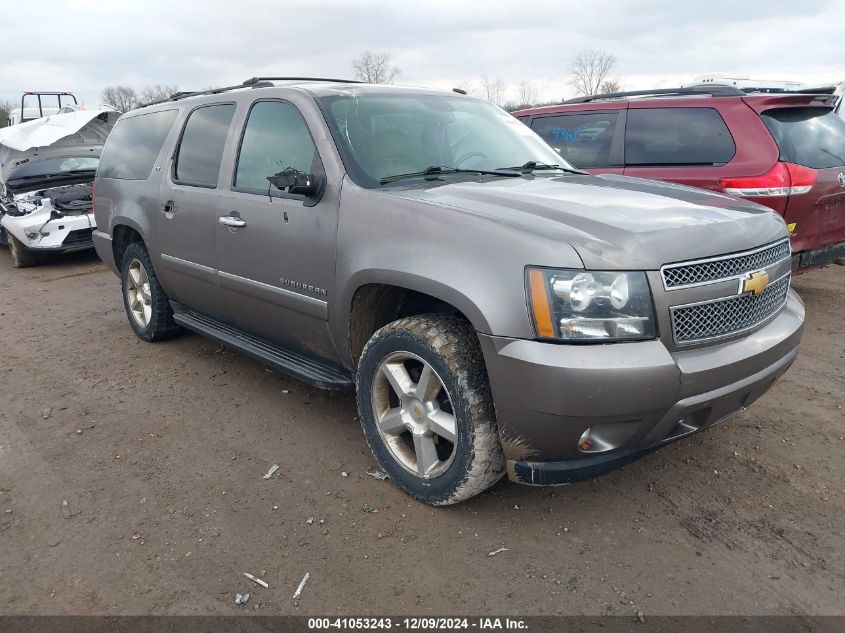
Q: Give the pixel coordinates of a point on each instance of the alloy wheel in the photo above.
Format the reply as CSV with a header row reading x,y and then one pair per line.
x,y
414,414
138,295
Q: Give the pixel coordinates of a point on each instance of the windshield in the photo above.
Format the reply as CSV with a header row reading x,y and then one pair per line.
x,y
384,135
56,166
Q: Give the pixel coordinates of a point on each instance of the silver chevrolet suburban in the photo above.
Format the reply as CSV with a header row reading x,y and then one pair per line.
x,y
496,309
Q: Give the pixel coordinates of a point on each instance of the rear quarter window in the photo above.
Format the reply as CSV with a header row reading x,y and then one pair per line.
x,y
134,144
584,140
813,137
677,136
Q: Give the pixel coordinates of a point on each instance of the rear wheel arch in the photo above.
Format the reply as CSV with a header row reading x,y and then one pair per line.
x,y
122,236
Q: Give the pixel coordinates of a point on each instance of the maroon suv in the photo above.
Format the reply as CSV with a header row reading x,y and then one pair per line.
x,y
785,150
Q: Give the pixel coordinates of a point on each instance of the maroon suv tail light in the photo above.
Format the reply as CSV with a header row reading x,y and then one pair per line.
x,y
783,179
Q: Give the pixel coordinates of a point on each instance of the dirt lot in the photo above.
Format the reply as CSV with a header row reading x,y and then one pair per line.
x,y
159,451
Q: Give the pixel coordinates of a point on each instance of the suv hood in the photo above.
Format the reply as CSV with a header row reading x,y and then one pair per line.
x,y
615,222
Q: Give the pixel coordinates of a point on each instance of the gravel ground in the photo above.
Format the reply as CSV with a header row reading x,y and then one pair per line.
x,y
159,451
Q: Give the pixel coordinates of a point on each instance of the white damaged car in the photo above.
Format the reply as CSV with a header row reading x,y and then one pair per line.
x,y
47,169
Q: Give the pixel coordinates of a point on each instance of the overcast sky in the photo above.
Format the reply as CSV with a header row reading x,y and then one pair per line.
x,y
84,45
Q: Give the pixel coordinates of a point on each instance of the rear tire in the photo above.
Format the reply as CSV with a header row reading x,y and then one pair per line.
x,y
22,257
147,306
426,408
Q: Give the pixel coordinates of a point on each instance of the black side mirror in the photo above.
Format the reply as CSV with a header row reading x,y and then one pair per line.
x,y
56,215
295,181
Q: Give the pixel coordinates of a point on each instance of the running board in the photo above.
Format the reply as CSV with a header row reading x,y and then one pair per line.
x,y
308,369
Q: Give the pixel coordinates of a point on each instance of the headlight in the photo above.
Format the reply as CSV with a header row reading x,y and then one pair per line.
x,y
579,305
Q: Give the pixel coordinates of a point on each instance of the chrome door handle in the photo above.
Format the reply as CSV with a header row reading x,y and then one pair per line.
x,y
230,220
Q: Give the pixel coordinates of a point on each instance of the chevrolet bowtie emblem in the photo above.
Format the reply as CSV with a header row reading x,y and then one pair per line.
x,y
755,282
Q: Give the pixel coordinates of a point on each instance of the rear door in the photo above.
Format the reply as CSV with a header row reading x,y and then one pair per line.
x,y
813,138
587,140
190,205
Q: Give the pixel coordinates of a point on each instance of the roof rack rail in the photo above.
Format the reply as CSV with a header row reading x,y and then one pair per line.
x,y
254,80
714,90
184,94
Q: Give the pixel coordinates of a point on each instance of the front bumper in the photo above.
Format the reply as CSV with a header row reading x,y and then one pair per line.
x,y
633,397
63,235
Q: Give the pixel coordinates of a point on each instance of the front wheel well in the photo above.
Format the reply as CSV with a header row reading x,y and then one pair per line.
x,y
376,305
123,236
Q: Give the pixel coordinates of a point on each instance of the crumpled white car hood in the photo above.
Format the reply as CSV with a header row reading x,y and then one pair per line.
x,y
50,129
52,135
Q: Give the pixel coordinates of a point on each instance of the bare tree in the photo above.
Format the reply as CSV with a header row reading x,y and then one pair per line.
x,y
590,69
156,92
121,98
493,90
6,107
610,85
527,93
375,68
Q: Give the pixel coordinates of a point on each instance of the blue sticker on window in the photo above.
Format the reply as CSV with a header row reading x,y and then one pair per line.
x,y
565,134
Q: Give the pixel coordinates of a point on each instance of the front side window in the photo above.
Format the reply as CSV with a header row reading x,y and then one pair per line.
x,y
201,148
275,138
383,134
677,136
584,140
134,144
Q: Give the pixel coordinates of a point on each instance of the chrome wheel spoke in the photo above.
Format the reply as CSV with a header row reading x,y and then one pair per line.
x,y
398,377
428,385
443,424
426,452
392,423
135,276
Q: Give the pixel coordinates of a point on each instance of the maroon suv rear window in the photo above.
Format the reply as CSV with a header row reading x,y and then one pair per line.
x,y
813,137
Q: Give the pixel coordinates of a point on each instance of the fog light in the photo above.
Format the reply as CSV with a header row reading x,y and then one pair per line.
x,y
586,441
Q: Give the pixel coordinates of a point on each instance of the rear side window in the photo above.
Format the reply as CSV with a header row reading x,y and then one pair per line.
x,y
134,144
677,136
201,148
813,137
276,137
584,140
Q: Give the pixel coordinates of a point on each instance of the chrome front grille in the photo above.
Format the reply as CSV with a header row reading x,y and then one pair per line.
x,y
723,317
715,269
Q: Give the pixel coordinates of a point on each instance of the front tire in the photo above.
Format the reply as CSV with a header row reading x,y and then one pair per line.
x,y
426,408
21,256
147,306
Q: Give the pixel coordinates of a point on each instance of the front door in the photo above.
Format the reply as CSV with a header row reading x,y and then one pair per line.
x,y
276,251
187,219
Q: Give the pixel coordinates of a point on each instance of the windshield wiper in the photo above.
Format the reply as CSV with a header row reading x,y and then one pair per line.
x,y
533,165
432,172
